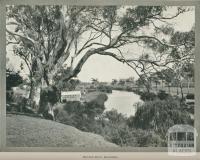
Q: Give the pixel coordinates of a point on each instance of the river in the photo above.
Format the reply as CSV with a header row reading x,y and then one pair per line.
x,y
123,102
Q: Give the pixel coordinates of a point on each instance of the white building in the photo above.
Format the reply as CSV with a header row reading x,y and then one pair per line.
x,y
71,96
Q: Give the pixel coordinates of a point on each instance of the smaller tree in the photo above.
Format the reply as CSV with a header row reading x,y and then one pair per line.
x,y
114,117
95,81
122,82
114,82
144,82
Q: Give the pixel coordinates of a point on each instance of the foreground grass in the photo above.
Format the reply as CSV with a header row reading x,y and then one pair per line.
x,y
24,131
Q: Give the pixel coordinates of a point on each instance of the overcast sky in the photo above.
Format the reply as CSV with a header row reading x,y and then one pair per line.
x,y
105,68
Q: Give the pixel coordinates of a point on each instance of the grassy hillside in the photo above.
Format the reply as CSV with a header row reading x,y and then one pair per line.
x,y
24,131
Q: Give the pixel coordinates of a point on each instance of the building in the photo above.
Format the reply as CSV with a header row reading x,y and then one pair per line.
x,y
70,96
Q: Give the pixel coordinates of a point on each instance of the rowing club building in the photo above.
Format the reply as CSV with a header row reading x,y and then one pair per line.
x,y
70,96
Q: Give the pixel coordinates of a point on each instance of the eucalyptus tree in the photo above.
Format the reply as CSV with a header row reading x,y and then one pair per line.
x,y
52,38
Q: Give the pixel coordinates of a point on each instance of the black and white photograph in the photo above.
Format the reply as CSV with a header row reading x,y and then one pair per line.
x,y
108,77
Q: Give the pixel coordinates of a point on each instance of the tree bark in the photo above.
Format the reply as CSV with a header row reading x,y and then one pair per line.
x,y
169,88
32,94
177,91
182,95
48,98
188,87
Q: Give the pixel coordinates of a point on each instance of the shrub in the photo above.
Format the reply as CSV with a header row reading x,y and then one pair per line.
x,y
13,79
162,95
148,138
114,117
19,104
106,89
73,107
81,116
148,96
122,135
190,96
64,117
159,115
129,89
9,96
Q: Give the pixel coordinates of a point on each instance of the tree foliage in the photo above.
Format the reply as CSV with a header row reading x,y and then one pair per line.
x,y
13,79
53,34
160,115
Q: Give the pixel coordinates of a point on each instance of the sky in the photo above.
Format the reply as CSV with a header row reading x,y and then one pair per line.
x,y
105,68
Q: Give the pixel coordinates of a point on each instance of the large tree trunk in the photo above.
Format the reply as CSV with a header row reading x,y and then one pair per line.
x,y
169,88
48,98
182,95
156,87
188,85
177,92
33,96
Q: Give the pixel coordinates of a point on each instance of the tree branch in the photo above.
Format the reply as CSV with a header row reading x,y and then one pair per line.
x,y
21,36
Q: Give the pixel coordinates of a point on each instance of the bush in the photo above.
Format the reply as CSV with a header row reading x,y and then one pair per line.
x,y
190,96
148,96
148,138
114,117
162,95
9,96
129,89
103,88
122,135
160,115
73,107
19,104
66,118
81,116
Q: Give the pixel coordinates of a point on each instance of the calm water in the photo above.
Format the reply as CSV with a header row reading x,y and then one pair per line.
x,y
122,101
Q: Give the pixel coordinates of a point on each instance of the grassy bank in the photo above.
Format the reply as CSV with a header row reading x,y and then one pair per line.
x,y
24,131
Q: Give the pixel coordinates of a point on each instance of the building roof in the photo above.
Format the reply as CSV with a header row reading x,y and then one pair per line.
x,y
182,128
65,93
